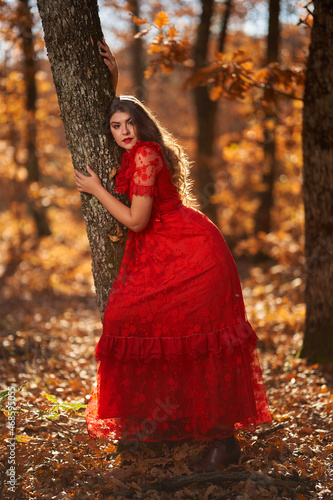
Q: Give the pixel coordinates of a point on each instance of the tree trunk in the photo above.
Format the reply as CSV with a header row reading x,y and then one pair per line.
x,y
224,25
138,64
25,23
72,34
318,188
206,110
263,220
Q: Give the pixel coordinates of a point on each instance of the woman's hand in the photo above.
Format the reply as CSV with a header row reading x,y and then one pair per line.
x,y
111,63
87,184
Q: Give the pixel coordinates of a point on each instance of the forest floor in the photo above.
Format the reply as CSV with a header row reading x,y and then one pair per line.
x,y
50,326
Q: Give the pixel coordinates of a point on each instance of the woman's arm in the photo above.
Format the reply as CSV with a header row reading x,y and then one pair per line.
x,y
111,63
135,217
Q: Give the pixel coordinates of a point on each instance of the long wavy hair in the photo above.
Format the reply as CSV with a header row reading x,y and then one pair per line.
x,y
149,129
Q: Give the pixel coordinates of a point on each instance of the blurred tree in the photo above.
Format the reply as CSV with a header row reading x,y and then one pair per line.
x,y
318,187
25,25
206,109
137,53
72,34
224,25
263,216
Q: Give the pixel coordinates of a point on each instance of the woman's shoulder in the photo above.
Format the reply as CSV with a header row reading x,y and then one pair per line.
x,y
146,148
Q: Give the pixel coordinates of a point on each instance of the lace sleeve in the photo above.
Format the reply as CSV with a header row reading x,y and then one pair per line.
x,y
148,163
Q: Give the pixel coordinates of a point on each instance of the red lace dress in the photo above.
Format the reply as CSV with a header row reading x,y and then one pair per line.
x,y
177,357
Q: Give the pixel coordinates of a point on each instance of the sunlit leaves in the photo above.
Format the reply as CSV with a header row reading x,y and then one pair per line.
x,y
233,75
170,49
228,75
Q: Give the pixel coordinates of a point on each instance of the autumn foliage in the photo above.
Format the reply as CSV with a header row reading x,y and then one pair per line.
x,y
229,75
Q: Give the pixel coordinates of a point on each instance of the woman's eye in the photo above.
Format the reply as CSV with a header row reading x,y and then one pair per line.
x,y
115,126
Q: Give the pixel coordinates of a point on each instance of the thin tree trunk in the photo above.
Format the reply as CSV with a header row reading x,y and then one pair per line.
x,y
206,110
318,188
224,25
138,64
26,24
72,34
263,219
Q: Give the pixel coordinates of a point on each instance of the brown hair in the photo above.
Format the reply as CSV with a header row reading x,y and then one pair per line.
x,y
149,129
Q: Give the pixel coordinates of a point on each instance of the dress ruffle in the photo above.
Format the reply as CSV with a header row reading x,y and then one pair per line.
x,y
141,190
146,349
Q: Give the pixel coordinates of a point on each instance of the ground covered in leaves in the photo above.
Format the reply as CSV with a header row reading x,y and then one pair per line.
x,y
49,328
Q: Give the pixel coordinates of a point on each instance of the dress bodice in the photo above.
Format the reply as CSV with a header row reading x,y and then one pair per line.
x,y
143,170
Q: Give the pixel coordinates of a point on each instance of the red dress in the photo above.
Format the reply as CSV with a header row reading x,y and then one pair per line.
x,y
177,358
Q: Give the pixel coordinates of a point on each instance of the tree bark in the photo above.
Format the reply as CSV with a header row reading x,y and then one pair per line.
x,y
138,65
72,34
318,188
206,110
25,23
263,220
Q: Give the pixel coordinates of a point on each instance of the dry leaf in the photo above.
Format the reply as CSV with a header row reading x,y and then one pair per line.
x,y
113,172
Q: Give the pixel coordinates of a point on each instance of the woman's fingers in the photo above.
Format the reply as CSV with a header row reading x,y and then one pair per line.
x,y
106,52
111,63
77,179
105,48
87,183
77,174
110,57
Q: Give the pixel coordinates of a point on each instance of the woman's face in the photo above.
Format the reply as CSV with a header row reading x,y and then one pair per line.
x,y
123,130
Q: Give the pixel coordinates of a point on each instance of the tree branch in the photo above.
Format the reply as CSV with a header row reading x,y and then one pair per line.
x,y
285,94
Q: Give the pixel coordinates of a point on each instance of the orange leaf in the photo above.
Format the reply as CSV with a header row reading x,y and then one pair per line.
x,y
114,238
215,93
148,72
120,232
111,448
113,172
166,69
172,33
139,21
155,49
161,19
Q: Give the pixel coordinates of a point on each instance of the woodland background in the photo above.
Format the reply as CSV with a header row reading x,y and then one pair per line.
x,y
50,322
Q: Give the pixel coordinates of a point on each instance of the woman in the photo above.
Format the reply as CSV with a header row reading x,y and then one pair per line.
x,y
177,358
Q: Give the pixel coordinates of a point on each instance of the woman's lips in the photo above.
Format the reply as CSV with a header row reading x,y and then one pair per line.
x,y
129,139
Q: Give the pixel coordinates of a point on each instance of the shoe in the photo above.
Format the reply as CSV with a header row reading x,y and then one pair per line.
x,y
218,454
